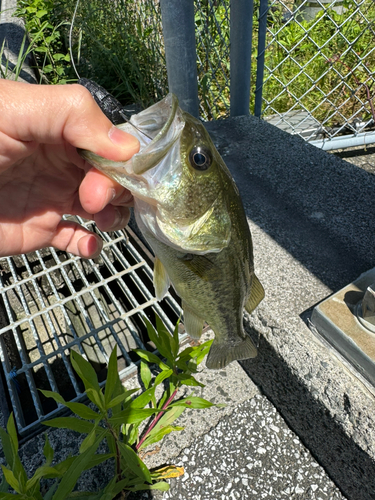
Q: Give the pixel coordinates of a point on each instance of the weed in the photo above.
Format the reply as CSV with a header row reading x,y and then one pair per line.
x,y
117,419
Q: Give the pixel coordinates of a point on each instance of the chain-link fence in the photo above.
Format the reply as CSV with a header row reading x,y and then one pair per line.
x,y
315,60
213,57
319,64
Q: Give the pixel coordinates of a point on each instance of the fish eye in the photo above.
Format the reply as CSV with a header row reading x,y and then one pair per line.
x,y
200,158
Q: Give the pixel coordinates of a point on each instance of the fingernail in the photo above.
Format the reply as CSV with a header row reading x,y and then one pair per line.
x,y
123,139
121,219
118,218
111,195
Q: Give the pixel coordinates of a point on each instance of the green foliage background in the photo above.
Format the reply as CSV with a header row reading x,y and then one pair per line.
x,y
119,44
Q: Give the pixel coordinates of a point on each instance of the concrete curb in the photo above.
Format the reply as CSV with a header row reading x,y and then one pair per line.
x,y
311,237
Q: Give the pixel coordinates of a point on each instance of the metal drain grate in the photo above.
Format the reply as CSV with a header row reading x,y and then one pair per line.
x,y
52,302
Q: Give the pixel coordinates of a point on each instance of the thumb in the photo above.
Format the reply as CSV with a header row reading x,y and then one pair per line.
x,y
53,114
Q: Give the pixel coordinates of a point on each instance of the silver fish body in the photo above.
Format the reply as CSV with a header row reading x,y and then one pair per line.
x,y
189,210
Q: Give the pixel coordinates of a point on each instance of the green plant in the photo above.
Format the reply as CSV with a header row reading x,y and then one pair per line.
x,y
322,64
9,70
114,43
116,420
46,33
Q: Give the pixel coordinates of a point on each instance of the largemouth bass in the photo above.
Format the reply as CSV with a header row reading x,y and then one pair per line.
x,y
188,208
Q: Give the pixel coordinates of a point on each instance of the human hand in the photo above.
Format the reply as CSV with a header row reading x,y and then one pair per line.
x,y
43,177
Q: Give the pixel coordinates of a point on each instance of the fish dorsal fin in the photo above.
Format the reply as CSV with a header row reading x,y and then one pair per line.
x,y
193,323
256,295
161,279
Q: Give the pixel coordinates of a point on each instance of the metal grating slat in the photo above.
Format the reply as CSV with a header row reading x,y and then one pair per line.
x,y
54,302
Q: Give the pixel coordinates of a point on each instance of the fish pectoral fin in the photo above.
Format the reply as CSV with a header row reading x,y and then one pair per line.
x,y
193,323
161,279
256,295
200,265
221,354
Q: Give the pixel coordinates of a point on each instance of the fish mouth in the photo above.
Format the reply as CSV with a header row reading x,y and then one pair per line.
x,y
163,122
156,162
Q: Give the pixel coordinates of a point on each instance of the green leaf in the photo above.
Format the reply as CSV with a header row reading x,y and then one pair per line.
x,y
88,441
143,399
71,476
12,432
75,424
9,496
85,371
48,451
78,408
112,377
161,485
193,402
4,486
134,463
63,466
50,492
10,445
83,411
98,459
42,472
7,446
176,337
162,376
154,437
159,339
97,398
132,416
58,57
11,480
130,433
198,352
169,417
121,398
145,374
168,345
114,488
188,380
151,332
41,13
151,358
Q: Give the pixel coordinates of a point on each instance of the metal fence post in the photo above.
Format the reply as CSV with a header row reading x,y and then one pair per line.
x,y
180,52
263,10
241,29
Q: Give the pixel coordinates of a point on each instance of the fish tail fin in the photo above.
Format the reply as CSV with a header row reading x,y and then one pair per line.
x,y
221,355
